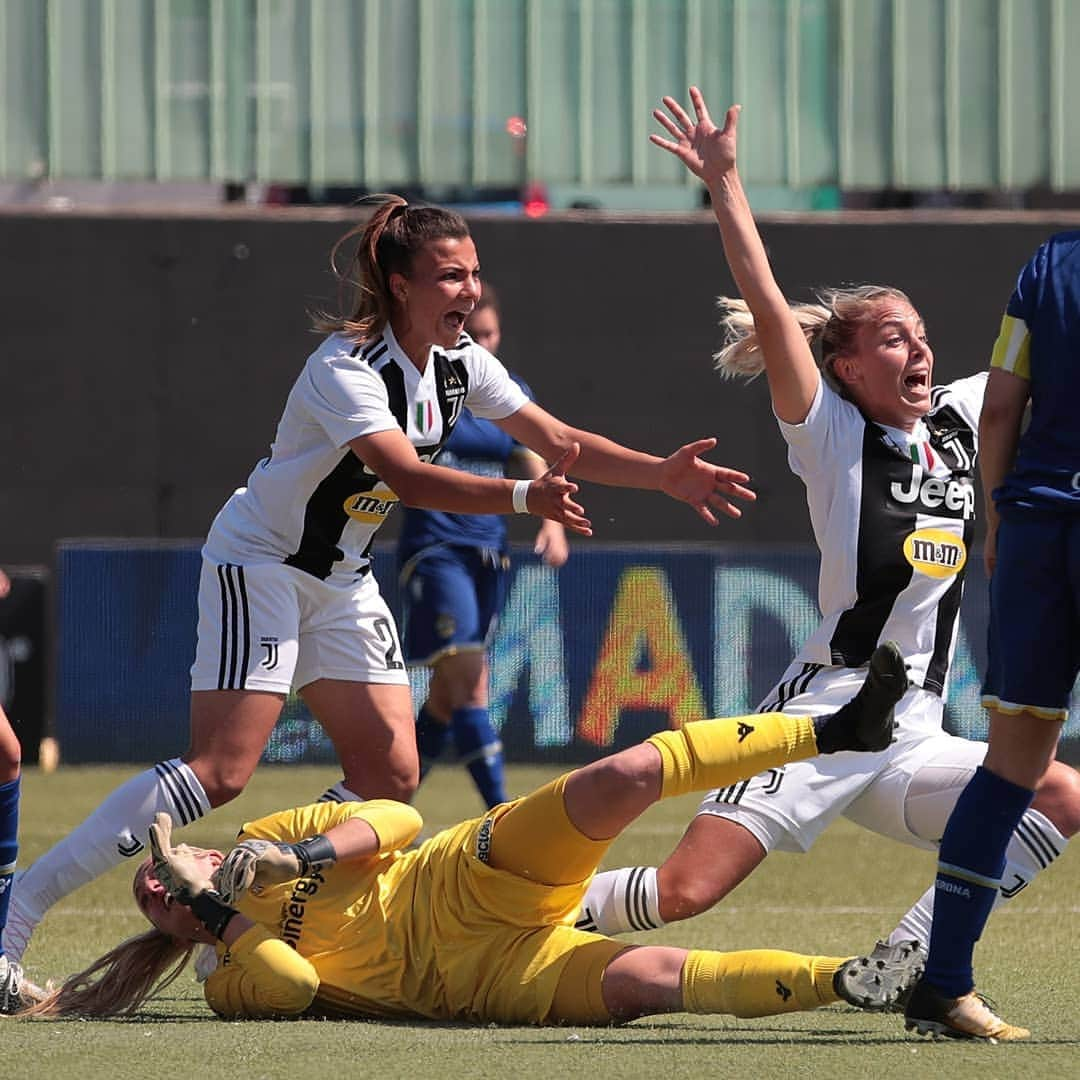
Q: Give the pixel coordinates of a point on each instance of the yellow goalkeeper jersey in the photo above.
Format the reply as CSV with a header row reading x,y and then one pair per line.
x,y
432,932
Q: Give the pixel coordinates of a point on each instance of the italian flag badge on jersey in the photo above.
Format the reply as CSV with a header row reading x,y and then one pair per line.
x,y
425,417
922,455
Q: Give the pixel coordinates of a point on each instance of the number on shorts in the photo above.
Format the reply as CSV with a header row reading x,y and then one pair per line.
x,y
388,638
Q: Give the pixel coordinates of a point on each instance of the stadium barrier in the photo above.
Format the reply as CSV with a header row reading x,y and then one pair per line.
x,y
24,655
620,642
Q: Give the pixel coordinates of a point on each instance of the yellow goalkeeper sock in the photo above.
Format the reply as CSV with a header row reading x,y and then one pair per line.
x,y
757,982
708,754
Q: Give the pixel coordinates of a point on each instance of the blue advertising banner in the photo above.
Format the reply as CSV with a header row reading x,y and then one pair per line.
x,y
620,642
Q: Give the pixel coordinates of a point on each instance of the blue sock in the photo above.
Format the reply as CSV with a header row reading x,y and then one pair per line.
x,y
432,739
970,864
480,752
9,844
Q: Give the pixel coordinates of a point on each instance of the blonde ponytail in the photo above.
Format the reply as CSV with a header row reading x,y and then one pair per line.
x,y
741,356
119,982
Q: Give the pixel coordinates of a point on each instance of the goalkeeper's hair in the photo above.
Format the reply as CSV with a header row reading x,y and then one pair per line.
x,y
120,981
833,321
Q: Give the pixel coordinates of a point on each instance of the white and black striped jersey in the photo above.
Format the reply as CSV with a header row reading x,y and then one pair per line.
x,y
312,503
893,516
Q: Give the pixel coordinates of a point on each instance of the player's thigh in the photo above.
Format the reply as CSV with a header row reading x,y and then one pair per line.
x,y
229,731
1033,632
442,605
912,797
372,728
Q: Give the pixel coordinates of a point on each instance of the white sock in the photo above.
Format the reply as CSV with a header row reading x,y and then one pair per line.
x,y
621,901
1035,844
339,793
115,831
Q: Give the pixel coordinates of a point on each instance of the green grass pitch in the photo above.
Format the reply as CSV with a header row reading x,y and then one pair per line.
x,y
838,900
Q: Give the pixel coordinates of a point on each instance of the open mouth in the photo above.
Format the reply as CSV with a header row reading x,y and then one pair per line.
x,y
916,381
456,320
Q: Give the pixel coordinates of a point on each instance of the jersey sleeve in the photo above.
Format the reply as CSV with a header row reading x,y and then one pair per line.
x,y
813,445
1012,350
261,977
966,396
396,825
493,394
345,397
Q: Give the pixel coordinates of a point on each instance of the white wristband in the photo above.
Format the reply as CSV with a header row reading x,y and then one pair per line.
x,y
521,493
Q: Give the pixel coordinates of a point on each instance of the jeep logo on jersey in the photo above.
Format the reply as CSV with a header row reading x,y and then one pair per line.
x,y
935,553
370,509
949,496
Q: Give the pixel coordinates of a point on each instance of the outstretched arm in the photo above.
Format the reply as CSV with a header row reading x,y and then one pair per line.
x,y
683,475
709,153
391,457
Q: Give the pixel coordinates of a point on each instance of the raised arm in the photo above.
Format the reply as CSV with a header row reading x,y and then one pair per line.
x,y
709,153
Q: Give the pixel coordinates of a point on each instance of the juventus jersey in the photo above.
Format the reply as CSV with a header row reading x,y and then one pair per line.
x,y
312,503
894,524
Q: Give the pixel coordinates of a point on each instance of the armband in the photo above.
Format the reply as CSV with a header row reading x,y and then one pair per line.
x,y
209,908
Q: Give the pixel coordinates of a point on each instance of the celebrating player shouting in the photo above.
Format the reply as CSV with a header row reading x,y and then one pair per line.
x,y
888,461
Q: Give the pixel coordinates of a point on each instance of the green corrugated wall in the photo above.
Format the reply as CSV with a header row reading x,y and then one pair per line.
x,y
854,94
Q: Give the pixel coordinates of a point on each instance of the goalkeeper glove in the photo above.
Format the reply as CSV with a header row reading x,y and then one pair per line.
x,y
181,874
256,864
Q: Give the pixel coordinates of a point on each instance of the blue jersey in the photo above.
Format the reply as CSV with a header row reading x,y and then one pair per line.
x,y
1040,342
479,447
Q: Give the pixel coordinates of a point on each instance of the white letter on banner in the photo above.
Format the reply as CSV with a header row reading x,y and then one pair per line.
x,y
530,635
738,593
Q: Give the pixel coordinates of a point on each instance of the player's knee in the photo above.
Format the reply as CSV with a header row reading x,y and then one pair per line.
x,y
222,787
403,781
685,892
1058,797
398,780
631,776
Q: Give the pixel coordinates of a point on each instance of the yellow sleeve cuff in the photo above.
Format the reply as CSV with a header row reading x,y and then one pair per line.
x,y
260,977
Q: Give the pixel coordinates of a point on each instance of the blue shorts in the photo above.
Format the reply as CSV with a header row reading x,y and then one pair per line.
x,y
1034,634
452,599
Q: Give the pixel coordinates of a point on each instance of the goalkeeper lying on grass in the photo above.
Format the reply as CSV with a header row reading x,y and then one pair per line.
x,y
318,911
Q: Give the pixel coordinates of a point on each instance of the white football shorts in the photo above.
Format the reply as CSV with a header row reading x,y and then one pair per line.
x,y
905,792
268,626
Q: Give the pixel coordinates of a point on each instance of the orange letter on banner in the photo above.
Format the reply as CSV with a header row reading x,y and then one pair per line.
x,y
643,623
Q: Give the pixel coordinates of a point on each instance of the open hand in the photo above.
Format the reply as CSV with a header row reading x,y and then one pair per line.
x,y
550,495
179,869
706,150
706,487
